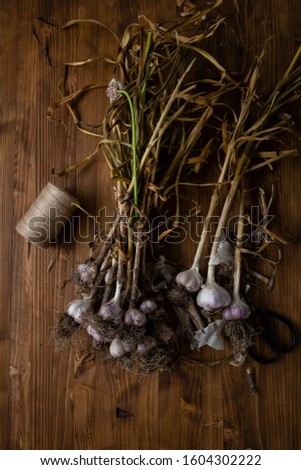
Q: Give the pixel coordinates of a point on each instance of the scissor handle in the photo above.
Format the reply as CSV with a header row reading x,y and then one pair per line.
x,y
260,358
269,337
280,348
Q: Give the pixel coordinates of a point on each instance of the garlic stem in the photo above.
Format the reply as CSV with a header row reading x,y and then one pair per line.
x,y
195,316
160,125
120,254
101,274
129,265
109,280
117,292
239,309
139,257
134,144
108,241
238,257
220,227
119,280
213,202
244,112
136,268
185,323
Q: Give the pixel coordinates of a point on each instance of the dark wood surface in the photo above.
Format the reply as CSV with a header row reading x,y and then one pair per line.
x,y
68,400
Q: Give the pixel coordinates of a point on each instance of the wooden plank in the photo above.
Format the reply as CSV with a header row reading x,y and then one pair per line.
x,y
201,414
8,119
275,19
169,424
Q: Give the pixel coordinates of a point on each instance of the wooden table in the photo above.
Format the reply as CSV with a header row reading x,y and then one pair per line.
x,y
69,400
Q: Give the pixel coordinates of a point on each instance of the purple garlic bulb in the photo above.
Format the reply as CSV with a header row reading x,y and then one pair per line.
x,y
111,311
145,345
148,306
238,310
134,317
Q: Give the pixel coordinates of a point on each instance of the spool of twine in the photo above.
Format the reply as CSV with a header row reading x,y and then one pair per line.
x,y
47,216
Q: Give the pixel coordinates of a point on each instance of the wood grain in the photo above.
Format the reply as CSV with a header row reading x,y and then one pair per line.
x,y
73,399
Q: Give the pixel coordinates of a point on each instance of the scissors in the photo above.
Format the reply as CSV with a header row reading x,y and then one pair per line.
x,y
264,325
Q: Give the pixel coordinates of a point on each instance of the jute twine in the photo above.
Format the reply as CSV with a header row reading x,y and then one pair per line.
x,y
47,215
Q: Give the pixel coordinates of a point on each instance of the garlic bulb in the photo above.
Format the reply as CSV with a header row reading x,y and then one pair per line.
x,y
148,306
78,308
111,311
237,310
190,279
134,317
213,297
117,348
95,335
87,272
147,343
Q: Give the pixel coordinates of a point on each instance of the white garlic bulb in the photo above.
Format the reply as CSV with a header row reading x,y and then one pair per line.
x,y
117,348
78,308
190,279
213,297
